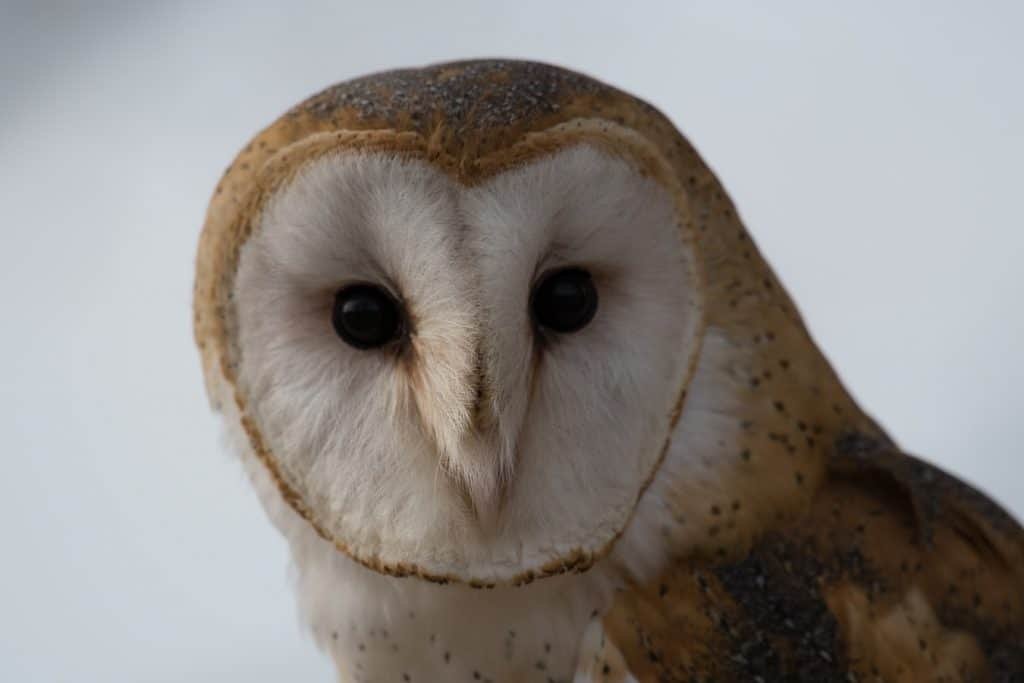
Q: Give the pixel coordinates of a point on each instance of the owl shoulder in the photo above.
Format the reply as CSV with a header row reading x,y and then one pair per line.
x,y
897,572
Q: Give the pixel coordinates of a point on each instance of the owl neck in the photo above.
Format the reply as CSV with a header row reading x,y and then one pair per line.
x,y
377,627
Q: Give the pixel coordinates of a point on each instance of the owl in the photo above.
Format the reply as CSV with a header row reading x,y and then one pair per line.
x,y
511,377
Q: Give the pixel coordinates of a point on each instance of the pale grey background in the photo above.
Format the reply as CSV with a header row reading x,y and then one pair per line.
x,y
874,151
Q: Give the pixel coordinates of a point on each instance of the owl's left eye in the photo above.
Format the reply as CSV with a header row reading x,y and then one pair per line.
x,y
366,316
565,300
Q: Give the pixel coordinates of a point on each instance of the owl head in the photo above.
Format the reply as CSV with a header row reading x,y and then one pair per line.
x,y
462,315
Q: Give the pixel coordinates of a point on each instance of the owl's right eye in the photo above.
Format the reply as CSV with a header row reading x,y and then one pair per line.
x,y
366,316
565,300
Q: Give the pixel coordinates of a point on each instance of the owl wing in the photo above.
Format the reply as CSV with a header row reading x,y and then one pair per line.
x,y
897,573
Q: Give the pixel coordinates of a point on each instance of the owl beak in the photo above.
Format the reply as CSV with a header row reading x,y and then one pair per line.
x,y
464,422
482,465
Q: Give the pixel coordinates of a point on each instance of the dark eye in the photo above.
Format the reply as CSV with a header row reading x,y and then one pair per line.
x,y
565,300
366,316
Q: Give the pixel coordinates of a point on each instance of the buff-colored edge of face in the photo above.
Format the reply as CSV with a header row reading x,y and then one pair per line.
x,y
284,165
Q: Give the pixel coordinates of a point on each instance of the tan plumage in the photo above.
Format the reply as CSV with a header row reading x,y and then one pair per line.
x,y
810,547
896,572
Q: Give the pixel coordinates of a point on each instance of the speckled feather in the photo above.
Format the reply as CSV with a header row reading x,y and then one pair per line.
x,y
818,551
897,572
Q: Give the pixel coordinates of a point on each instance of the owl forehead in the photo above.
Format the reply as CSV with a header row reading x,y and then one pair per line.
x,y
467,109
479,93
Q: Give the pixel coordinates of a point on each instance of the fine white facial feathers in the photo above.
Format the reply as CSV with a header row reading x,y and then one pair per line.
x,y
484,449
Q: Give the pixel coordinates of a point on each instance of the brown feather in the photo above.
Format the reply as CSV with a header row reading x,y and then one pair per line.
x,y
896,572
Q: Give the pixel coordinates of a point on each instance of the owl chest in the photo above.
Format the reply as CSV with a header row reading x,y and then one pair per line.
x,y
445,633
436,653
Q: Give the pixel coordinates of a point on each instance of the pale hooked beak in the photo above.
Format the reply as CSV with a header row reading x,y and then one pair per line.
x,y
459,409
482,462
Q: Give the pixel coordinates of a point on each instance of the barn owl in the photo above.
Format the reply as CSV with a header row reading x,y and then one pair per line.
x,y
511,377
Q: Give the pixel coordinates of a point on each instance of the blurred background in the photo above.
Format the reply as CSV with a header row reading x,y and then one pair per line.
x,y
875,152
